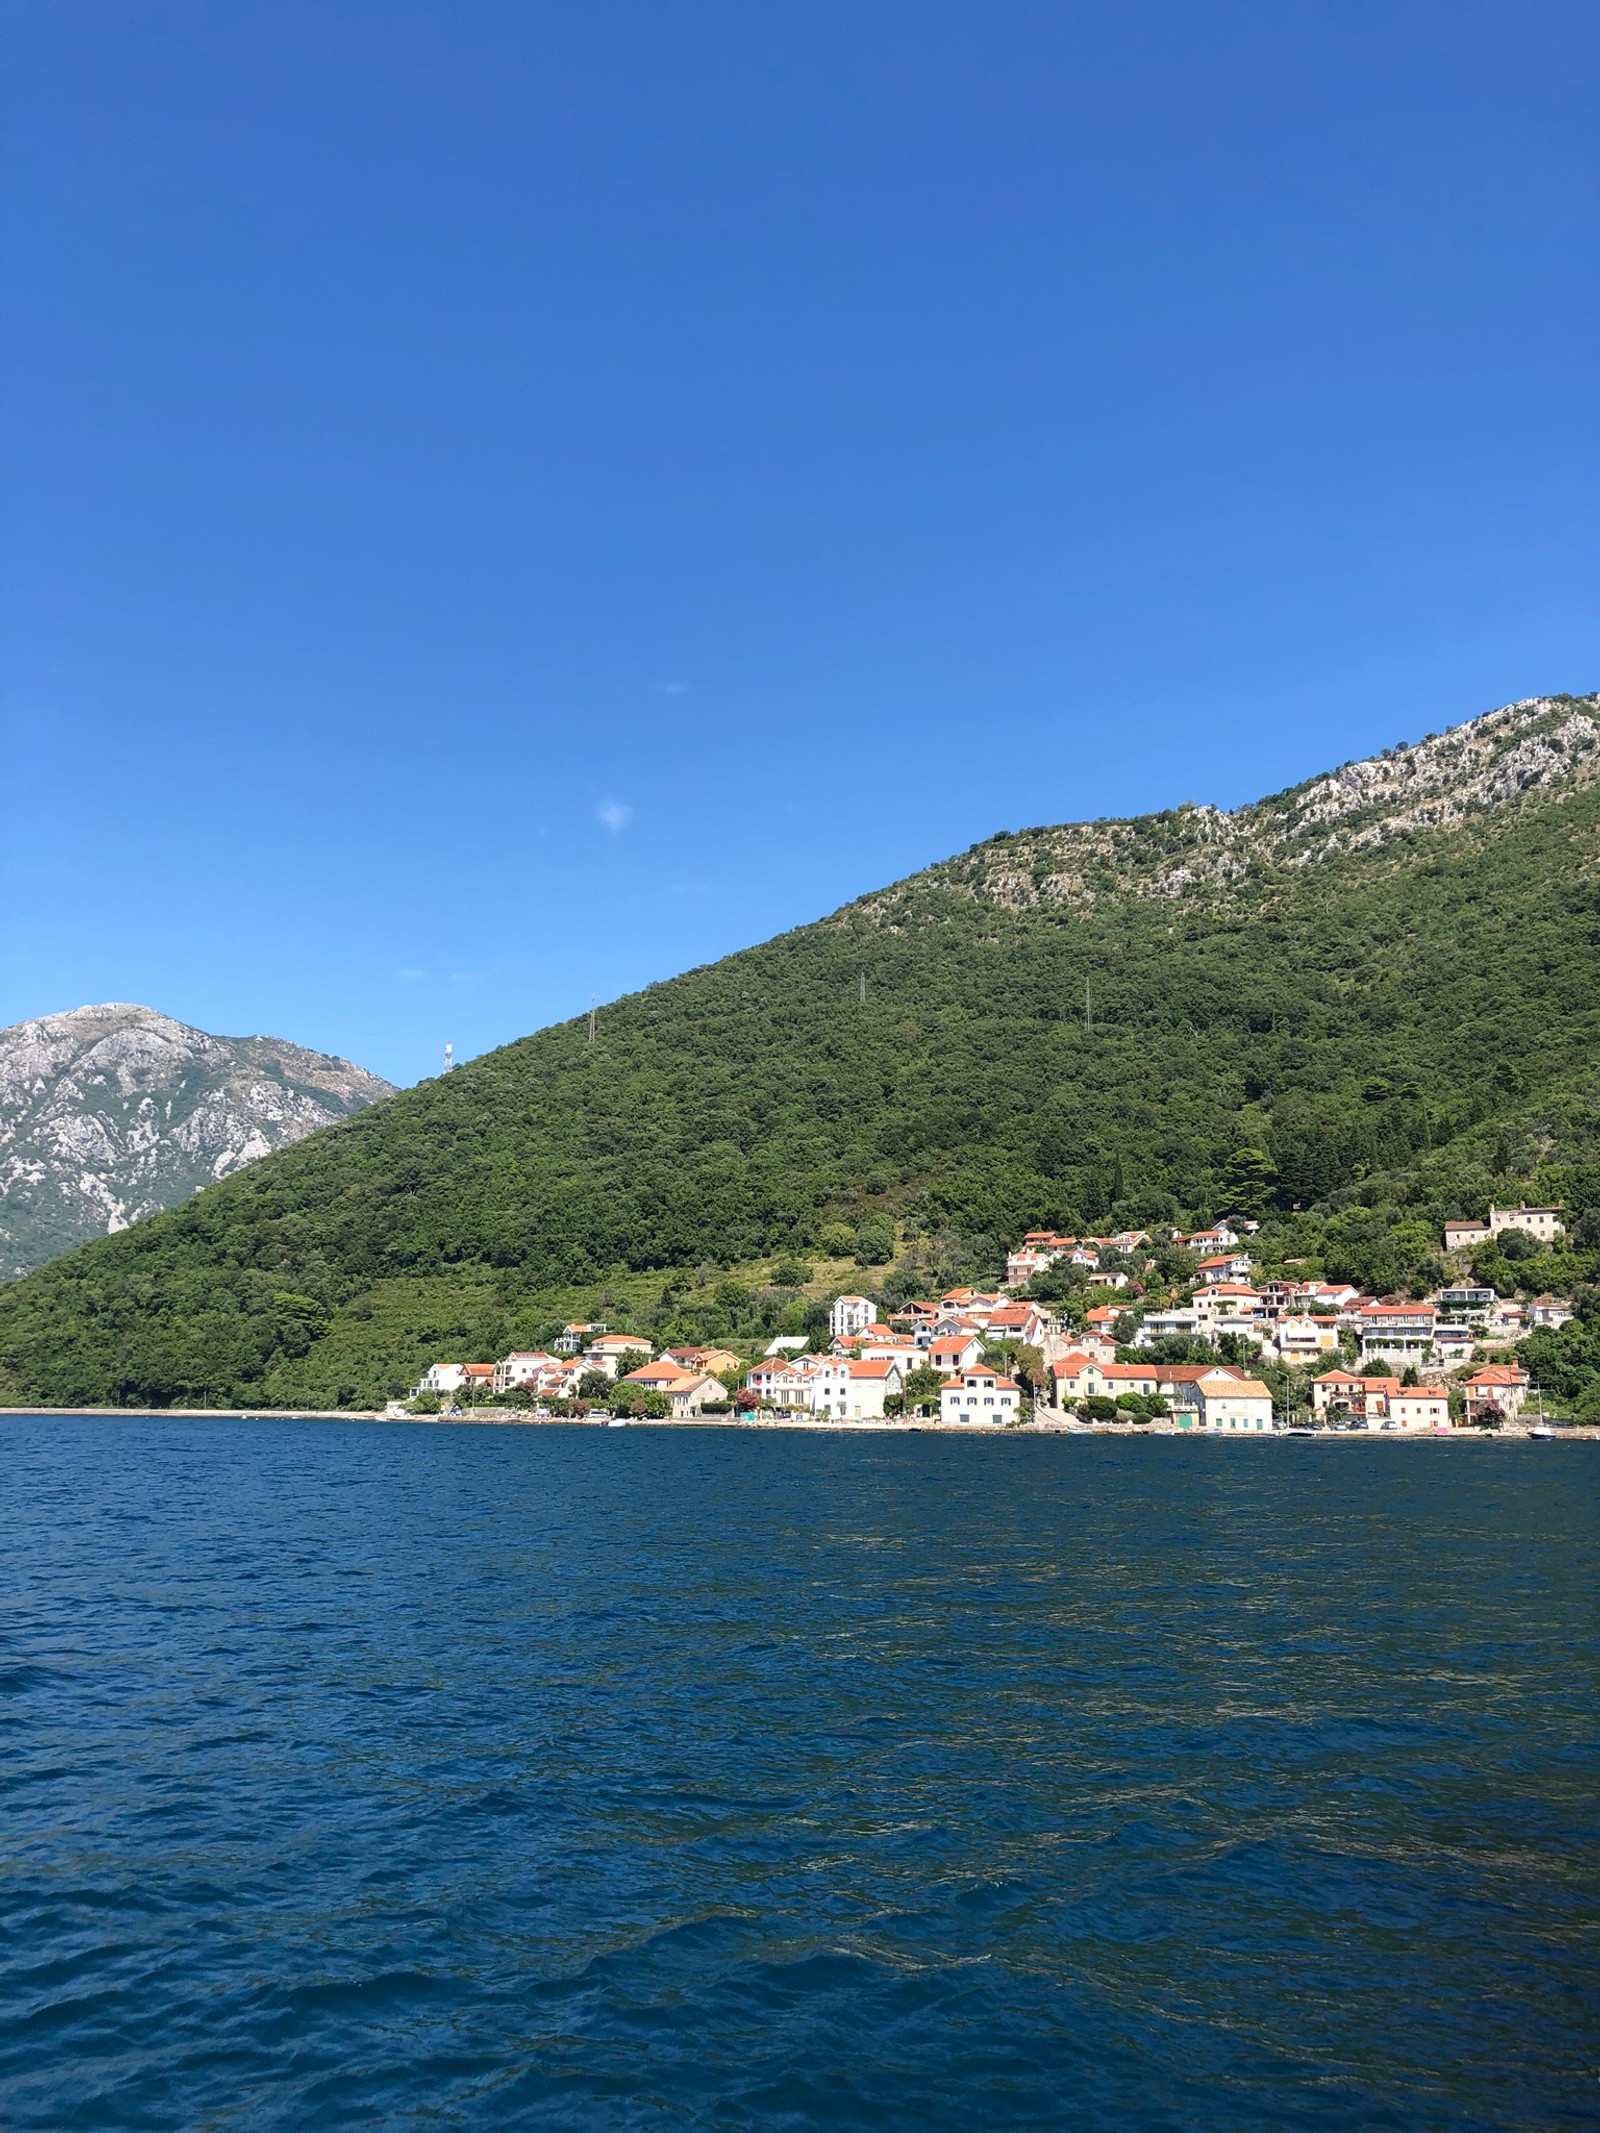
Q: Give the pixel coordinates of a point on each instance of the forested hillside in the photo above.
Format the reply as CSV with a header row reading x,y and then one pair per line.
x,y
1353,1009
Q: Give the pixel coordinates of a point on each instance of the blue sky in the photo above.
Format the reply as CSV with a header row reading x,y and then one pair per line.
x,y
504,502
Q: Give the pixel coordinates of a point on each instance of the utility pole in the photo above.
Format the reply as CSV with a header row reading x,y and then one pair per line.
x,y
591,1021
863,988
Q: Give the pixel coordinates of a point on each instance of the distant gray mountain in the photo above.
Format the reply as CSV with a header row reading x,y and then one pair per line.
x,y
108,1114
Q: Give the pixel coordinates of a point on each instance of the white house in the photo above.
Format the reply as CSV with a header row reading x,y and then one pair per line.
x,y
1420,1407
1040,1248
1467,1302
608,1351
1377,1401
1225,1266
522,1367
571,1338
1396,1333
865,1337
888,1348
1549,1311
1227,1299
1023,1322
1221,1401
954,1352
1305,1340
443,1377
1454,1344
980,1396
1331,1295
1543,1223
850,1314
974,1304
1157,1325
1082,1377
784,1381
859,1395
826,1379
1496,1391
686,1390
1257,1330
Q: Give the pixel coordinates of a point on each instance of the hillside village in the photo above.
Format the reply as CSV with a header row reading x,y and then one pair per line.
x,y
1354,1010
1173,1331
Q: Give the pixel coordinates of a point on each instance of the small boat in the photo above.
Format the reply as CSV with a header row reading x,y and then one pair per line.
x,y
1541,1429
617,1422
1300,1429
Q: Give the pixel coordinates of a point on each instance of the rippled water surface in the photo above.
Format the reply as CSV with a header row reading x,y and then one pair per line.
x,y
390,1776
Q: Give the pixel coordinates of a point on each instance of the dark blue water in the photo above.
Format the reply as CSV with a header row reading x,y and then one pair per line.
x,y
424,1777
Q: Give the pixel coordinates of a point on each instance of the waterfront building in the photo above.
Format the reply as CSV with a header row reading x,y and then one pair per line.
x,y
1221,1400
442,1378
980,1396
1419,1407
522,1367
1379,1400
1496,1393
687,1390
1081,1377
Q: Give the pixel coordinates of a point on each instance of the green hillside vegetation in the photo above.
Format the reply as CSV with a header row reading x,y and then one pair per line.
x,y
1352,1050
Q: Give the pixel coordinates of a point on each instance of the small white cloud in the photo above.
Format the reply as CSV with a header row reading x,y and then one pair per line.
x,y
675,688
614,815
412,973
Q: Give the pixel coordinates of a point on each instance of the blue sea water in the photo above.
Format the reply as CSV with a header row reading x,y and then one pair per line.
x,y
427,1777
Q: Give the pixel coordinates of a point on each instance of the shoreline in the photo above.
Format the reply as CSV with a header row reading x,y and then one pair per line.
x,y
1576,1432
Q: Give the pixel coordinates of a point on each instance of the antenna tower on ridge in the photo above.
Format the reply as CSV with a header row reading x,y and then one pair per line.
x,y
449,1057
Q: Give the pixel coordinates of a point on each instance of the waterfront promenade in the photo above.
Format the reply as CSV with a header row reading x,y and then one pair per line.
x,y
815,1425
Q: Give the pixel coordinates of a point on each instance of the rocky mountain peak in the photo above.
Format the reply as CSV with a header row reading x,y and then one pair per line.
x,y
111,1112
1487,765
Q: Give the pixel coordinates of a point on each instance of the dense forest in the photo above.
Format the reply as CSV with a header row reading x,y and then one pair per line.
x,y
1349,1049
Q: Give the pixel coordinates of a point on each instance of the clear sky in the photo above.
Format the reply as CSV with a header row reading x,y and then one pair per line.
x,y
506,501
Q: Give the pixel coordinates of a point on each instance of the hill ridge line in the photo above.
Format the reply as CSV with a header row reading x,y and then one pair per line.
x,y
1483,766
